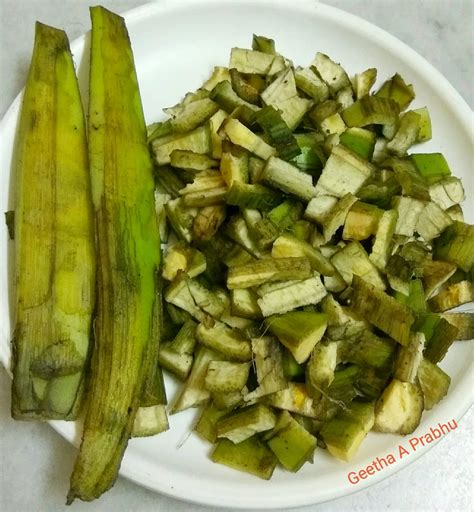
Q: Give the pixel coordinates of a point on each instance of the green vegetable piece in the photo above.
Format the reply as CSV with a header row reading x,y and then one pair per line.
x,y
255,196
456,245
368,351
345,172
381,310
320,368
424,132
280,135
291,443
246,422
193,392
432,166
275,269
434,383
54,238
224,340
177,355
299,331
397,90
250,456
288,178
360,141
409,358
291,368
263,44
455,295
464,323
226,377
371,110
399,409
127,233
206,426
344,433
331,72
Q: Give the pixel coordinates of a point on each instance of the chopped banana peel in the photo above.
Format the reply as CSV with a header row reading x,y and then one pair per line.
x,y
313,257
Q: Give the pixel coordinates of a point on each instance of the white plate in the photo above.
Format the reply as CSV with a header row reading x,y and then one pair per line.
x,y
175,46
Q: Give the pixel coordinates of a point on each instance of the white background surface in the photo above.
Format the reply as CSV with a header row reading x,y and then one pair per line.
x,y
35,462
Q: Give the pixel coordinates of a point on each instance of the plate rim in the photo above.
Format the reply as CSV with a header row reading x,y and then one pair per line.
x,y
462,112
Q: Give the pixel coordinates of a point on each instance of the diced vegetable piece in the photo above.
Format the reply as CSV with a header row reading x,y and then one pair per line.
x,y
252,61
331,72
464,323
344,433
367,351
219,74
440,335
308,82
399,409
238,231
282,95
371,110
303,293
299,331
207,222
182,258
191,161
383,242
243,88
126,326
224,340
397,90
291,368
192,115
435,274
295,399
276,269
226,377
319,208
230,102
432,166
244,303
412,183
275,127
255,196
269,367
177,355
215,123
291,443
432,221
381,310
193,392
168,181
408,210
345,97
406,135
320,368
336,217
364,81
447,192
246,422
342,323
150,421
345,172
424,132
332,125
197,141
239,134
206,426
456,213
234,165
434,383
352,260
181,219
409,358
54,240
250,456
263,44
228,401
453,296
361,221
360,141
289,246
160,202
456,245
288,178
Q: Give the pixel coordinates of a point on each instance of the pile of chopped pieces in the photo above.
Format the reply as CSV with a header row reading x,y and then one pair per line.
x,y
310,260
